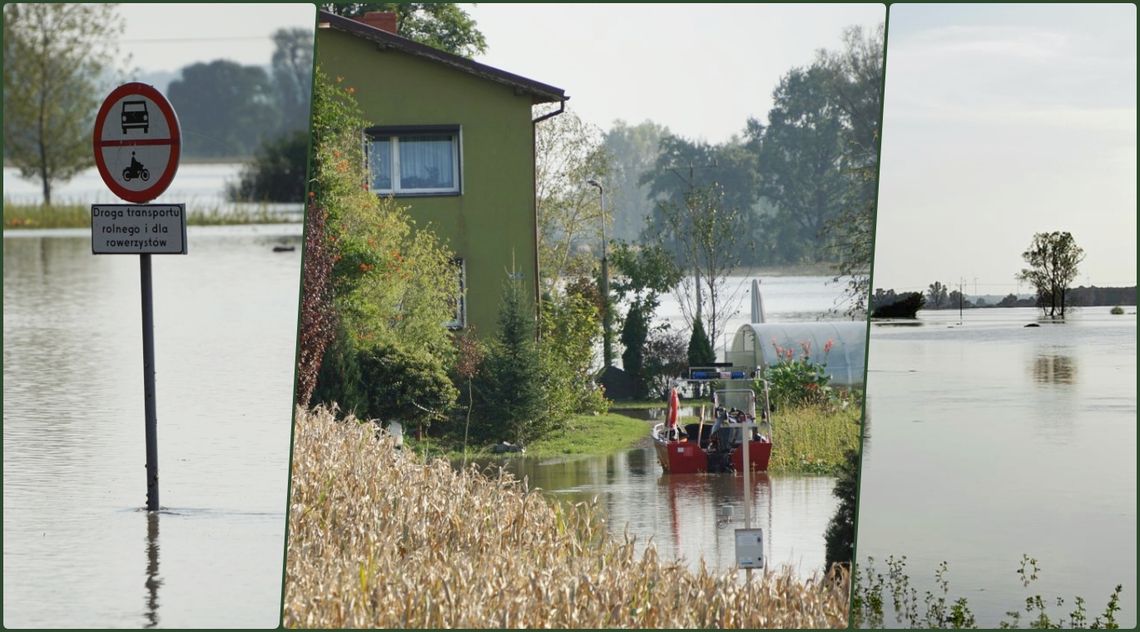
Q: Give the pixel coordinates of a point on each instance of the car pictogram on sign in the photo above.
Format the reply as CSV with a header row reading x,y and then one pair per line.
x,y
137,142
134,115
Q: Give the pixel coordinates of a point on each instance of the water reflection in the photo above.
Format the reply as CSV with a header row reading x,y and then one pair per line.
x,y
691,516
1054,369
72,430
153,581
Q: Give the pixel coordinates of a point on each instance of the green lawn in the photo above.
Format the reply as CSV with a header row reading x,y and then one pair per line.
x,y
584,435
18,216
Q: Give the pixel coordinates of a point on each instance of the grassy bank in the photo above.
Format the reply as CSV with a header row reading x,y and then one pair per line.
x,y
18,216
584,435
378,538
813,441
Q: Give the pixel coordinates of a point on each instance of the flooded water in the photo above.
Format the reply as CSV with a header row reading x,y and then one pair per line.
x,y
78,551
681,514
991,440
202,187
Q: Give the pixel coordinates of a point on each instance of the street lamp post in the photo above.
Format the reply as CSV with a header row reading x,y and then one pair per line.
x,y
607,335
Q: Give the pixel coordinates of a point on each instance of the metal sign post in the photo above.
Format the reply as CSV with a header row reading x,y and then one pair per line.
x,y
137,142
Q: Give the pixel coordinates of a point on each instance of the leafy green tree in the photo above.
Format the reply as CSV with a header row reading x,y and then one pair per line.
x,y
700,349
225,109
391,285
1053,259
632,150
54,56
568,153
684,169
801,156
856,80
441,25
509,389
936,295
292,67
569,328
406,384
665,358
646,272
634,334
707,232
840,534
276,173
956,300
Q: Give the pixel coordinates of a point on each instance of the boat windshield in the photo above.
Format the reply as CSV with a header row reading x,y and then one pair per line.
x,y
738,398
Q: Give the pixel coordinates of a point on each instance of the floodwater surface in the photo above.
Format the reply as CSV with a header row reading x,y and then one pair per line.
x,y
682,514
989,440
78,549
201,186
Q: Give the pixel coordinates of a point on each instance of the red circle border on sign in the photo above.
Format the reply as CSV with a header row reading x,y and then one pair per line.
x,y
164,180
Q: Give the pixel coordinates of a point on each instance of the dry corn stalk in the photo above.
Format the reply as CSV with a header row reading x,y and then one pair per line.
x,y
378,538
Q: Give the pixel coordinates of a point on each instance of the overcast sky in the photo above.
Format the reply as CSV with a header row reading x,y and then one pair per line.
x,y
166,37
1003,121
702,70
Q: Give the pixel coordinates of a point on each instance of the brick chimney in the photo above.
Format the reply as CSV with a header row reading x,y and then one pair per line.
x,y
383,20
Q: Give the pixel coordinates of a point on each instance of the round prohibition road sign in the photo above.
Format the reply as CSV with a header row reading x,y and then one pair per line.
x,y
137,142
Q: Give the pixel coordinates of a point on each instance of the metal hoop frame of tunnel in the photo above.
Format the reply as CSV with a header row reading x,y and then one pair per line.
x,y
752,346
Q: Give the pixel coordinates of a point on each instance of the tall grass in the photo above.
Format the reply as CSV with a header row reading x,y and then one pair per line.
x,y
79,216
877,595
813,440
378,538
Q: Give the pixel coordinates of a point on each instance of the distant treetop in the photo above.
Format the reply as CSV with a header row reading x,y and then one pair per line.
x,y
441,25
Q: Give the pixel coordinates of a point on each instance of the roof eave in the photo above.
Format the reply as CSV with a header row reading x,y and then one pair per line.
x,y
540,92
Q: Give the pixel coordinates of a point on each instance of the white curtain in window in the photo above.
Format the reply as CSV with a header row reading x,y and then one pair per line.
x,y
380,164
426,162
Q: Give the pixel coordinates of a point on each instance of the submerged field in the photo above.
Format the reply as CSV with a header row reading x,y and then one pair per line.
x,y
378,538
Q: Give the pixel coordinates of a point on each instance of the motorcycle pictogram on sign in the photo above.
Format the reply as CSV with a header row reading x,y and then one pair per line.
x,y
137,135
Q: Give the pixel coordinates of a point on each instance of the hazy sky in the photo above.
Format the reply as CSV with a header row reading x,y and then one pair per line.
x,y
166,37
702,70
1003,121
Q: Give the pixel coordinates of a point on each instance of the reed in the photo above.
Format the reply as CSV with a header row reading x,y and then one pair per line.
x,y
813,440
379,538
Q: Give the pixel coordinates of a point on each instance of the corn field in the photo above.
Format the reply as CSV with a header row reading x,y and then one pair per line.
x,y
378,538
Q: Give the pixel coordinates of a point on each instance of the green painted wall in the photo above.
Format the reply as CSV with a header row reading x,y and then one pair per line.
x,y
493,217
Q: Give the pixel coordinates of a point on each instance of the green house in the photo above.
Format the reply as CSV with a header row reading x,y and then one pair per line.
x,y
453,140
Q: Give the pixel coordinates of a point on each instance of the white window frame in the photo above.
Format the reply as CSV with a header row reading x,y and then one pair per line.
x,y
460,320
393,134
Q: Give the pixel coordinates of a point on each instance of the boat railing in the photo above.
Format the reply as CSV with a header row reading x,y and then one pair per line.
x,y
716,373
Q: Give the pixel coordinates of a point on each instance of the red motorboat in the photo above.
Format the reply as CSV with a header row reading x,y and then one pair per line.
x,y
718,446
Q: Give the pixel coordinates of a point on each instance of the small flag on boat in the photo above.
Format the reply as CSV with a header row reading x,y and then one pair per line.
x,y
674,408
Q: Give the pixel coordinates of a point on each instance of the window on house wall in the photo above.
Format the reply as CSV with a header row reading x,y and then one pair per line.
x,y
414,160
459,302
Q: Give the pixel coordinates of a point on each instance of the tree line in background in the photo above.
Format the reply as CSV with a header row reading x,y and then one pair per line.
x,y
798,189
786,182
1053,259
60,60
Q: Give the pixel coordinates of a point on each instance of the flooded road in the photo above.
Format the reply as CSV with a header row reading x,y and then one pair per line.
x,y
77,548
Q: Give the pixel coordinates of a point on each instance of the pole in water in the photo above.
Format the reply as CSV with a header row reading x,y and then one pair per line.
x,y
747,430
148,385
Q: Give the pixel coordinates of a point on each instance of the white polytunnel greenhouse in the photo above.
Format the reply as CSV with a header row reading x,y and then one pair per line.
x,y
755,346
